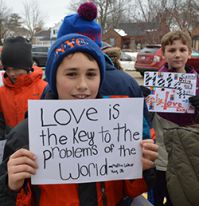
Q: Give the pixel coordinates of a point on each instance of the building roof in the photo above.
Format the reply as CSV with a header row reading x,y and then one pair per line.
x,y
120,32
195,37
44,34
138,29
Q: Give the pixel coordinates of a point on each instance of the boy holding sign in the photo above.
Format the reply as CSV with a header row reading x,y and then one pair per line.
x,y
75,70
177,49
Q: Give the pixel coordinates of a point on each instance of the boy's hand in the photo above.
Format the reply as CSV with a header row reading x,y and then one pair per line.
x,y
21,165
150,153
194,100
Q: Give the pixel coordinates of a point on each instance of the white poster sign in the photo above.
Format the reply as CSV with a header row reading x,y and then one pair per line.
x,y
170,92
78,141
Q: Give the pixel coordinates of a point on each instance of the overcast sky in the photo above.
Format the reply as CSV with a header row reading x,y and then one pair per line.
x,y
52,10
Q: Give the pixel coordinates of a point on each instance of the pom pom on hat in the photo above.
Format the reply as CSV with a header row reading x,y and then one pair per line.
x,y
88,11
83,23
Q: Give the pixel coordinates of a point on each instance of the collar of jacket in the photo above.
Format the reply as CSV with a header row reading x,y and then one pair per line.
x,y
165,68
23,80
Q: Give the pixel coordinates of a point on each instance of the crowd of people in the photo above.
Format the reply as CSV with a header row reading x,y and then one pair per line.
x,y
79,68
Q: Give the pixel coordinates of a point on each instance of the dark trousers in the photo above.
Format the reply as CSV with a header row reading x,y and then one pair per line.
x,y
160,190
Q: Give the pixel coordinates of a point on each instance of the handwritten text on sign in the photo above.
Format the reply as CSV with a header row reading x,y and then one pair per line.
x,y
170,91
86,140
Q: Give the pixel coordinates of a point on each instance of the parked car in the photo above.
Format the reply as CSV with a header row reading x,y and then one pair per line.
x,y
151,58
127,60
194,61
39,55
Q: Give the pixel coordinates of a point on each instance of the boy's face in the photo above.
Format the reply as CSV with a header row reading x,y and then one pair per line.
x,y
176,55
13,73
78,77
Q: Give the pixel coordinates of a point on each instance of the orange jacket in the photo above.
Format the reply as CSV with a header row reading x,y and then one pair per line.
x,y
14,97
67,194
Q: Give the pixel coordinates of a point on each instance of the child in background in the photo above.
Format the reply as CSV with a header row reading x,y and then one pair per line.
x,y
114,53
75,70
21,80
176,48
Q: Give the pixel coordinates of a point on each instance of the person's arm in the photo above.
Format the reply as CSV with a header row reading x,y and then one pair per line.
x,y
194,100
150,153
2,126
21,165
149,174
136,187
7,197
17,138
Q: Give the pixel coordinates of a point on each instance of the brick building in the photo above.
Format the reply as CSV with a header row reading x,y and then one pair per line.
x,y
135,35
195,37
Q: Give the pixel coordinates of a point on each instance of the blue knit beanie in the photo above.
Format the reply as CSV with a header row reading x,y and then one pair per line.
x,y
69,44
83,23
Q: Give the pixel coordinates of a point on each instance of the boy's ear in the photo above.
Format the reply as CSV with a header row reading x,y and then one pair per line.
x,y
190,52
162,52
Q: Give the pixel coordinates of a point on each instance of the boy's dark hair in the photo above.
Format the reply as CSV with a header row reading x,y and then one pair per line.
x,y
172,36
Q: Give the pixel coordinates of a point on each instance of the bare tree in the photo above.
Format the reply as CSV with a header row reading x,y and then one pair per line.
x,y
179,14
104,12
164,14
14,22
110,12
4,14
33,19
185,14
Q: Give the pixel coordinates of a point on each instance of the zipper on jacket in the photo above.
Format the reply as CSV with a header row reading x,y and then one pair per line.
x,y
87,194
103,194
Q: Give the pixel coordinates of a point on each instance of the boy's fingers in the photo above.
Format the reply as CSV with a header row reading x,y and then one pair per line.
x,y
149,145
21,176
23,152
23,160
22,169
147,141
147,164
150,155
149,149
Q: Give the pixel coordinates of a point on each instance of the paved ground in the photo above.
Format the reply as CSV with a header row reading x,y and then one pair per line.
x,y
137,76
